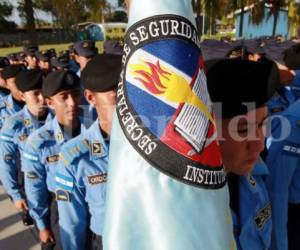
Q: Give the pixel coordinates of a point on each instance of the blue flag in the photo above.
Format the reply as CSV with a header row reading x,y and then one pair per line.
x,y
166,182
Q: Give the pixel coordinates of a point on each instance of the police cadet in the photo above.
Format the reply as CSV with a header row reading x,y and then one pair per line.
x,y
13,102
84,51
3,87
30,56
240,132
284,165
43,58
81,174
62,61
12,58
41,153
14,133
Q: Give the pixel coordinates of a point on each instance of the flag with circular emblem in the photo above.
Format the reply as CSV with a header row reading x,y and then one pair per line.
x,y
166,182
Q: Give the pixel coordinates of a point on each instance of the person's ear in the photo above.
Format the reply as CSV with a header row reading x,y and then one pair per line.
x,y
49,102
89,96
22,96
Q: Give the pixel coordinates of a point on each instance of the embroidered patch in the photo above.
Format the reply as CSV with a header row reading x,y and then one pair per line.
x,y
23,137
251,180
62,195
291,149
31,175
8,157
59,136
263,216
27,122
64,182
7,138
96,148
162,56
52,158
97,179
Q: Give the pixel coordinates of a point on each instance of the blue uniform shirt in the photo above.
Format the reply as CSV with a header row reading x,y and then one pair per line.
x,y
81,187
283,183
40,158
254,225
14,133
295,87
8,107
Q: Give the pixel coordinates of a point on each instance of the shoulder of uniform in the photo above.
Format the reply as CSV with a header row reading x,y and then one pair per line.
x,y
10,128
2,104
39,137
74,150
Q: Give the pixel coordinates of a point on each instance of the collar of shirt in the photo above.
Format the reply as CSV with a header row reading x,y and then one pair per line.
x,y
31,121
11,104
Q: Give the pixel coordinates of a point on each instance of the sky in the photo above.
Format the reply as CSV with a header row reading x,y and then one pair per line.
x,y
38,14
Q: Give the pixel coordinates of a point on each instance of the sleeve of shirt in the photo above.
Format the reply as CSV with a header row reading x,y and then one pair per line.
x,y
8,165
73,210
35,185
282,161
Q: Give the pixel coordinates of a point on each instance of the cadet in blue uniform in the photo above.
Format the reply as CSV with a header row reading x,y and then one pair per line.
x,y
81,173
3,88
30,56
15,131
44,58
283,162
240,133
41,152
12,103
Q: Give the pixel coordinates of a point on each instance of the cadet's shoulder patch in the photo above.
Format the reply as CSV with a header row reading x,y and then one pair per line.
x,y
292,149
52,158
62,195
263,216
73,150
97,179
27,122
64,182
7,138
32,175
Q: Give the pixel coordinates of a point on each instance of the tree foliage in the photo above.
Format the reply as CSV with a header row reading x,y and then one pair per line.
x,y
5,11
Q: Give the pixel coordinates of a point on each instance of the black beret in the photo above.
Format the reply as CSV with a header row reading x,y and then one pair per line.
x,y
102,73
29,80
44,55
292,57
85,48
30,50
61,61
58,81
3,62
113,47
11,71
236,82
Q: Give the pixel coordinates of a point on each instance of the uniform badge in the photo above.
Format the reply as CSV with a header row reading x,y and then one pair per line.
x,y
27,122
96,148
59,136
97,179
8,157
31,175
62,195
52,158
163,103
263,216
23,137
251,180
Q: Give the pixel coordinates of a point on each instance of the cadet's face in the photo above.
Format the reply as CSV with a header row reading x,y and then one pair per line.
x,y
243,140
11,84
66,105
35,102
105,103
31,61
2,81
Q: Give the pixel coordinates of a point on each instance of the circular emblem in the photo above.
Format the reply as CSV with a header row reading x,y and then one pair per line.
x,y
163,103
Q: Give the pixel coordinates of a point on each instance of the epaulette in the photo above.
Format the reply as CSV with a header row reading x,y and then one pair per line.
x,y
74,149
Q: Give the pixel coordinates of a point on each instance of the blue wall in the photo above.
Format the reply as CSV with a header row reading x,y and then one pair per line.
x,y
265,28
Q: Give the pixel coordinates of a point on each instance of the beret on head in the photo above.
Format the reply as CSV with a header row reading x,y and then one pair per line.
x,y
234,83
3,62
11,71
61,61
29,80
102,73
86,48
292,57
30,50
44,55
58,81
